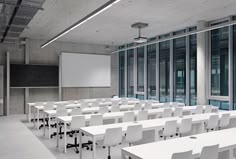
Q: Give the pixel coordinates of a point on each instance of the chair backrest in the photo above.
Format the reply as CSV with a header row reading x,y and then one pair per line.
x,y
61,106
170,128
115,108
124,102
85,104
49,106
76,111
224,120
213,121
166,104
182,155
113,136
148,105
185,126
115,102
128,117
61,112
142,115
103,110
167,113
134,133
199,109
96,120
77,122
210,152
138,106
178,111
71,102
208,109
174,104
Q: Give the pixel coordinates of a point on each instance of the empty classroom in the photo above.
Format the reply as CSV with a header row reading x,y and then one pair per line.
x,y
117,79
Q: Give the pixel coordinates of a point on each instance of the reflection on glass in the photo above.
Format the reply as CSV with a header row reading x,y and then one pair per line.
x,y
179,69
130,73
122,74
219,62
151,71
164,69
223,105
140,69
140,97
193,69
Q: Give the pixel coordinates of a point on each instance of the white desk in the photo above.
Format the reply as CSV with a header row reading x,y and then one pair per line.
x,y
165,149
98,132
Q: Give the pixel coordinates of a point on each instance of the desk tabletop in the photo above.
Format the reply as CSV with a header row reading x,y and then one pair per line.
x,y
165,149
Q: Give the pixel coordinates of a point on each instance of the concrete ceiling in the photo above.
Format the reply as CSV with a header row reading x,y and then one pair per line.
x,y
113,25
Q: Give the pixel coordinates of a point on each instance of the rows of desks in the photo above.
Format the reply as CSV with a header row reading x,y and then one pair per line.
x,y
165,149
98,132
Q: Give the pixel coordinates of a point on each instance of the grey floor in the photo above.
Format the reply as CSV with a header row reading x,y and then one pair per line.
x,y
20,140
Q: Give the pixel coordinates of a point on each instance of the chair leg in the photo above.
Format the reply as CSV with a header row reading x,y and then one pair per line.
x,y
109,153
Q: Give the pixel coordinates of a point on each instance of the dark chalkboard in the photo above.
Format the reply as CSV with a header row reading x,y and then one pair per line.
x,y
34,75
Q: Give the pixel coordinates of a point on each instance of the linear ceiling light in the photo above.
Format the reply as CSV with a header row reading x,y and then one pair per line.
x,y
82,21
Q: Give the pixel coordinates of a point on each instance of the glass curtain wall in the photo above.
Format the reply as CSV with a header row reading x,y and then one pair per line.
x,y
140,69
179,48
130,73
151,71
193,69
122,74
164,69
219,61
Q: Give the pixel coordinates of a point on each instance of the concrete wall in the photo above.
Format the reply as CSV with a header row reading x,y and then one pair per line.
x,y
50,55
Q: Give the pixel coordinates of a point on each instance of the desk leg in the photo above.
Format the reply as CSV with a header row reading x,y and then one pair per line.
x,y
34,117
29,114
94,148
65,142
231,153
122,155
44,129
80,142
37,118
49,127
57,133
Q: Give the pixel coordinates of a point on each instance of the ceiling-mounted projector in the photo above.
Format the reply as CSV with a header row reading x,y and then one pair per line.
x,y
140,26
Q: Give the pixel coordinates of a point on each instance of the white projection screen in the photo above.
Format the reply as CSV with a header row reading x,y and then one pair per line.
x,y
85,70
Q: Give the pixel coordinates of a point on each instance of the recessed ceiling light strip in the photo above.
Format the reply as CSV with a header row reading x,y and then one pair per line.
x,y
82,21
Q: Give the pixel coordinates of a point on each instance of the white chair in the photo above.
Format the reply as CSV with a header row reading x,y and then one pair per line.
x,y
199,109
76,111
134,134
103,110
128,117
142,115
113,137
167,113
115,108
61,106
224,121
85,105
39,104
166,105
76,123
115,103
71,102
96,120
138,106
174,104
182,155
49,106
212,122
178,111
61,112
185,126
124,102
208,109
148,105
170,129
210,152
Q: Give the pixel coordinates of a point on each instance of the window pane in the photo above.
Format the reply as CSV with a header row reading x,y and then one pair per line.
x,y
164,66
223,105
219,62
122,74
140,69
193,69
179,69
151,71
140,97
130,73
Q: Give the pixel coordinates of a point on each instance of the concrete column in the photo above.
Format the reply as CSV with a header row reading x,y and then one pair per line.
x,y
202,64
